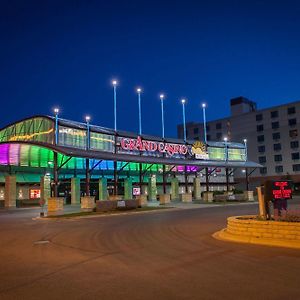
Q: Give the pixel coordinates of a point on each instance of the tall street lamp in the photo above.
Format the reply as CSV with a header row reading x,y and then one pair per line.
x,y
162,96
226,148
115,83
56,111
204,122
139,90
246,149
87,120
183,101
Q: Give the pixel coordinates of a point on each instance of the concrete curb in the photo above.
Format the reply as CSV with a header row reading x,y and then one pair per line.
x,y
260,233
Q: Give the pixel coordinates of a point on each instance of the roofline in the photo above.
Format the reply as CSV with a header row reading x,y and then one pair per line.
x,y
93,154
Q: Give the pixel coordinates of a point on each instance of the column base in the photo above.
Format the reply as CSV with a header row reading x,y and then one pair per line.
x,y
208,196
55,205
164,199
142,200
186,197
248,195
87,203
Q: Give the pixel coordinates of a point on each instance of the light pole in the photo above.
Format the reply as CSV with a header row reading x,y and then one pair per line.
x,y
115,83
87,120
56,111
183,101
139,90
162,96
87,161
226,148
246,150
204,122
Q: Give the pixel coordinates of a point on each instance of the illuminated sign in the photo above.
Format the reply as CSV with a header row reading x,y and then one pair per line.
x,y
199,149
35,194
282,190
152,146
278,189
136,191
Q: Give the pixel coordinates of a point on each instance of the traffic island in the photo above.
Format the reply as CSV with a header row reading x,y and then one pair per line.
x,y
251,230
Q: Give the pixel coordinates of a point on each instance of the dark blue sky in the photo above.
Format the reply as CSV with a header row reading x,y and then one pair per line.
x,y
66,52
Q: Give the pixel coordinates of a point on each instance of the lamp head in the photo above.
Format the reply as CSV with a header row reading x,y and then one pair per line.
x,y
203,105
139,90
161,96
87,118
56,110
225,139
114,82
183,101
245,140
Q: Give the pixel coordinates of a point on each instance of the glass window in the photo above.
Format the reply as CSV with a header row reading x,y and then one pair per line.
x,y
274,114
276,136
262,159
207,127
292,122
294,144
218,125
260,127
196,130
261,149
219,135
278,157
259,117
295,155
102,142
275,125
279,169
291,110
208,137
293,133
277,147
71,137
263,170
296,168
260,138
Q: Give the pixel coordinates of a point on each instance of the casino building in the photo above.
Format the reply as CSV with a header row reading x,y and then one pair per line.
x,y
45,156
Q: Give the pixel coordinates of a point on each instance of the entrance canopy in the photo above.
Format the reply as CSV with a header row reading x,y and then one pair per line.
x,y
32,142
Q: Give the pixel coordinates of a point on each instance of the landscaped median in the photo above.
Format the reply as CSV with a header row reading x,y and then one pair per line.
x,y
248,229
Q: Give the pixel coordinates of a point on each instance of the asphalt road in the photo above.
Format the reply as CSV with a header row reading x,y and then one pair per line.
x,y
157,255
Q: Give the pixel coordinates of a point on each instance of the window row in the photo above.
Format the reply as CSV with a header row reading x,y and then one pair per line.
x,y
277,146
275,125
276,135
278,157
279,169
275,113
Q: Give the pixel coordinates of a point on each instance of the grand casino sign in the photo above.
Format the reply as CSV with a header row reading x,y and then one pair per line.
x,y
198,150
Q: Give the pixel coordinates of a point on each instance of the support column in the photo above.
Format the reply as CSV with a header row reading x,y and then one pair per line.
x,y
45,185
186,180
152,188
87,177
115,178
75,190
247,179
197,188
174,189
164,179
206,180
10,191
140,176
55,175
128,189
102,188
227,179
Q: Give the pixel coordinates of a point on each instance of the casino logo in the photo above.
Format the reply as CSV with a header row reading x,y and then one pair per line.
x,y
199,149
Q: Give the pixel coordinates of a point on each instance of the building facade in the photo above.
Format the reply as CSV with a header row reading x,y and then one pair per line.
x,y
272,136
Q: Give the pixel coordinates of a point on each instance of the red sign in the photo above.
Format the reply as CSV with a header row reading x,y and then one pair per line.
x,y
151,146
282,190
